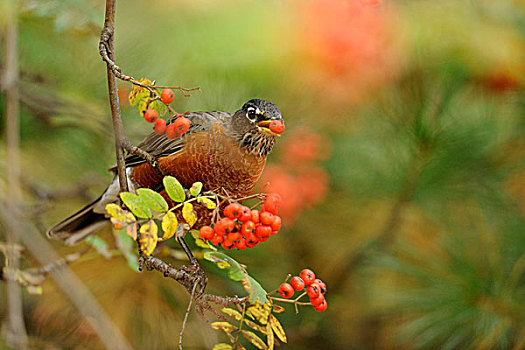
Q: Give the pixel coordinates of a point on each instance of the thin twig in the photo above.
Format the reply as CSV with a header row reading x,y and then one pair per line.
x,y
192,296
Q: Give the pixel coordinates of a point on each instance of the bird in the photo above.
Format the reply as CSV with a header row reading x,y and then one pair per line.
x,y
221,150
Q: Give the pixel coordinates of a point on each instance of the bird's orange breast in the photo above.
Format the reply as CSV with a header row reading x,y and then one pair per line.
x,y
212,158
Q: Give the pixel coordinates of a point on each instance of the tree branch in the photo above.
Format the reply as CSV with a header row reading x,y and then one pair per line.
x,y
14,331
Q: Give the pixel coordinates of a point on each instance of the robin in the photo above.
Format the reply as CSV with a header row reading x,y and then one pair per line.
x,y
223,151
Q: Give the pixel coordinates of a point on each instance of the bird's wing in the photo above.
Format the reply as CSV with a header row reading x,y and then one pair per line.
x,y
159,145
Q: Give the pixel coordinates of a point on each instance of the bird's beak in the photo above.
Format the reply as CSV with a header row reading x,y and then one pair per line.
x,y
264,126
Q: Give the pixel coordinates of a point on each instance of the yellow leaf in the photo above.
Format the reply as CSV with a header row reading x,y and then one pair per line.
x,y
277,309
118,213
277,328
260,312
148,237
139,92
223,326
233,313
254,339
270,339
169,225
255,326
188,214
208,203
222,346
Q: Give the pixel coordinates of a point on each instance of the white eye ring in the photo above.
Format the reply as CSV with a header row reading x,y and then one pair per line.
x,y
252,112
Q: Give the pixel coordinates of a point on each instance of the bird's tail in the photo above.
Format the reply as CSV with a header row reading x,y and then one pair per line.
x,y
79,225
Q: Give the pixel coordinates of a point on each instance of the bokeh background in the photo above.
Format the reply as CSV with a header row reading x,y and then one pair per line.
x,y
402,167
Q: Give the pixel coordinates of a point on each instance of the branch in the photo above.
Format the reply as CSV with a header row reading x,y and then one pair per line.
x,y
14,330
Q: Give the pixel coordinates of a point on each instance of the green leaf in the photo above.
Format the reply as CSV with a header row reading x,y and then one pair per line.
x,y
196,188
254,289
202,243
188,214
157,105
148,237
100,245
223,261
222,346
136,205
114,210
254,339
174,189
207,202
169,225
153,200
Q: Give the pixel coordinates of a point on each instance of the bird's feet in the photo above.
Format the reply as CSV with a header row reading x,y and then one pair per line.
x,y
199,277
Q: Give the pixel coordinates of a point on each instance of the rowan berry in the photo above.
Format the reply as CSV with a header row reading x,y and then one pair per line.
x,y
246,214
233,236
167,96
160,126
286,290
263,231
206,232
251,240
227,244
255,216
321,307
240,244
277,126
182,124
308,276
151,115
318,300
276,224
313,290
297,283
272,203
321,284
217,239
172,132
267,218
226,225
233,210
248,228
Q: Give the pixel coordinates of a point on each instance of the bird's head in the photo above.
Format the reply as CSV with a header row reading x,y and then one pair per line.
x,y
252,125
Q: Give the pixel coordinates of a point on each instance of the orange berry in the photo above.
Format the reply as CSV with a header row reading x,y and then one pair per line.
x,y
182,124
206,232
233,210
160,126
151,115
172,132
167,96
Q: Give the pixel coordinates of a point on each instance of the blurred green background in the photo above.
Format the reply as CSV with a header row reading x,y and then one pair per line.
x,y
402,168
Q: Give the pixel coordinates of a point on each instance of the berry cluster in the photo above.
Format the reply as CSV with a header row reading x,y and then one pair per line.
x,y
315,288
177,128
243,227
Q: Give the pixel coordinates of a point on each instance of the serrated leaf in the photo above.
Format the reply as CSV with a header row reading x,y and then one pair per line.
x,y
255,290
254,339
233,313
148,237
223,326
260,312
270,339
208,203
277,328
169,225
138,92
196,188
115,211
100,245
222,346
148,103
188,214
255,326
174,189
136,205
153,200
223,261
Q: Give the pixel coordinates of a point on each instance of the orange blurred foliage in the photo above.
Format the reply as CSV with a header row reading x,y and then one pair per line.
x,y
344,48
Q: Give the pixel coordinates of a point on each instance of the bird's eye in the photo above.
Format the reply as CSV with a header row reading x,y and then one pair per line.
x,y
251,114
